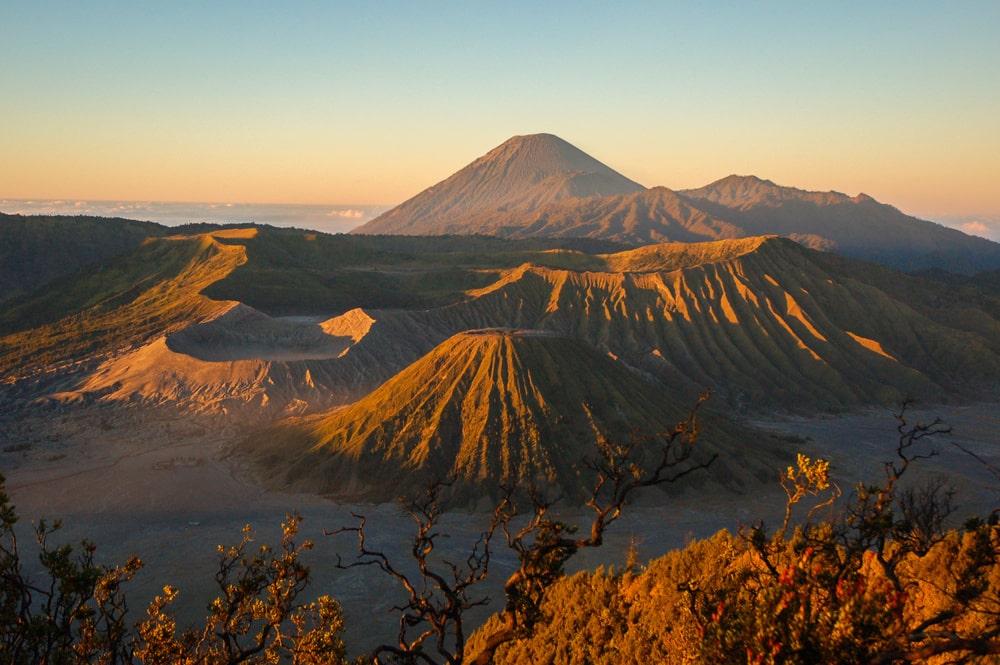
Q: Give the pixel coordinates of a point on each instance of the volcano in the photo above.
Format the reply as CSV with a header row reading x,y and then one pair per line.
x,y
540,186
482,409
522,174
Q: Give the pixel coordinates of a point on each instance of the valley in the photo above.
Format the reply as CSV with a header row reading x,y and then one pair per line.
x,y
497,329
166,487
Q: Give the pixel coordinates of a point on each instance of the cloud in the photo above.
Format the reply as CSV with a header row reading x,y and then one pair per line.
x,y
976,228
349,213
982,225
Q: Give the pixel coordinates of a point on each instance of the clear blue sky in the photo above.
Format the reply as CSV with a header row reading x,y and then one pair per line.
x,y
370,102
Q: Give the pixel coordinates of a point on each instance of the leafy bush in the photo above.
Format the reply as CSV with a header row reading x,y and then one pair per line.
x,y
76,612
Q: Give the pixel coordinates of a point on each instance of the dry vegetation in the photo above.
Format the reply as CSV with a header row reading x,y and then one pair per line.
x,y
875,579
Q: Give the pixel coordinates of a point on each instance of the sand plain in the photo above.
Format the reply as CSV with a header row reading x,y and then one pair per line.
x,y
163,485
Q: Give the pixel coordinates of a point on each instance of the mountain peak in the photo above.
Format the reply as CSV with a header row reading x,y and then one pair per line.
x,y
744,181
485,408
522,172
545,154
735,189
745,192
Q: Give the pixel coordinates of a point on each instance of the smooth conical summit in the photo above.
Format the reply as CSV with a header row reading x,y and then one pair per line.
x,y
522,173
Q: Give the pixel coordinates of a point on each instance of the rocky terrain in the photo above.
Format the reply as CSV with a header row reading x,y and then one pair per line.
x,y
175,384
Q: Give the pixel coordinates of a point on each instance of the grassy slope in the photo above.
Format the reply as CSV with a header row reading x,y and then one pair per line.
x,y
36,250
295,272
129,297
121,302
767,320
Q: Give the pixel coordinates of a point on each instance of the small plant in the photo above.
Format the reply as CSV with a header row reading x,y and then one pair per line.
x,y
843,589
76,611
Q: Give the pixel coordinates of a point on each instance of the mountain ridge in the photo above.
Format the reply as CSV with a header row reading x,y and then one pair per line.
x,y
482,409
38,249
763,321
767,324
480,200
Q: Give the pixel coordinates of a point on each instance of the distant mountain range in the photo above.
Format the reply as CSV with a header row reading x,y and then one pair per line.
x,y
366,365
541,186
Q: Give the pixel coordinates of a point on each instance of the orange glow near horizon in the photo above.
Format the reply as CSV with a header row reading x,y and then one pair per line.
x,y
915,187
362,105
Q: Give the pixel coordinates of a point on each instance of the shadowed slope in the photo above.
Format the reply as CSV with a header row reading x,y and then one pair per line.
x,y
485,408
858,226
654,215
37,249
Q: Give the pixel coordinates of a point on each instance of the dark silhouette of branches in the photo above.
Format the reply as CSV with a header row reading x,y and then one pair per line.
x,y
838,588
257,616
439,594
439,591
74,611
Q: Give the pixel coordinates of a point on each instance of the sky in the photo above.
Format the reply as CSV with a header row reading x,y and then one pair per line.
x,y
368,103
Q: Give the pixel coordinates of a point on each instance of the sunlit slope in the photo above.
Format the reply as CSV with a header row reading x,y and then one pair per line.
x,y
484,408
540,186
765,321
241,361
123,302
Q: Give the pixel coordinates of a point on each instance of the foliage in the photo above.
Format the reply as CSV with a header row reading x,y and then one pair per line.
x,y
873,579
879,580
440,592
256,618
76,611
37,249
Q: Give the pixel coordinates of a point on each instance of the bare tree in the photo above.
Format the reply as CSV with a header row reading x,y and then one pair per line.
x,y
440,591
839,588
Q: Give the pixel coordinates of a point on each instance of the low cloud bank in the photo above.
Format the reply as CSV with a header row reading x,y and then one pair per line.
x,y
984,226
326,218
